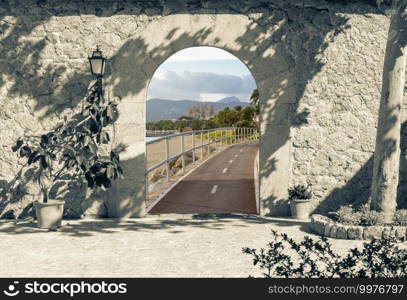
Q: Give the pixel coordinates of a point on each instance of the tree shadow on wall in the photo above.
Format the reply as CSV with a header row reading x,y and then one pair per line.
x,y
357,190
300,33
59,84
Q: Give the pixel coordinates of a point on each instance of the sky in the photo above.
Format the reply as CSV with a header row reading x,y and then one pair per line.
x,y
201,73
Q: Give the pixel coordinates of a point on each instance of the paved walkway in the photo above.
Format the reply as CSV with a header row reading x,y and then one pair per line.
x,y
223,184
164,246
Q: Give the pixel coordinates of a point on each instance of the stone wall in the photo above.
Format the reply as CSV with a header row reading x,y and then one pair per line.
x,y
333,151
321,61
44,75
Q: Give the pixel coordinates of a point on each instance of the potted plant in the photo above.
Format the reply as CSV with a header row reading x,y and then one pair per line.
x,y
299,197
71,151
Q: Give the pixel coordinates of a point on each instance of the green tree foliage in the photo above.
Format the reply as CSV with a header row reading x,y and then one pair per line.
x,y
255,102
227,117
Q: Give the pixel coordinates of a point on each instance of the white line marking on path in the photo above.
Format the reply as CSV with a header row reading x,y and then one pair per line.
x,y
231,161
225,170
213,191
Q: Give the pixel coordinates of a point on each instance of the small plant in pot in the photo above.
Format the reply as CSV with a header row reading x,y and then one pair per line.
x,y
72,152
300,199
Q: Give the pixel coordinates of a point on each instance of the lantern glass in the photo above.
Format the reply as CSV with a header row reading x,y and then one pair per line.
x,y
97,63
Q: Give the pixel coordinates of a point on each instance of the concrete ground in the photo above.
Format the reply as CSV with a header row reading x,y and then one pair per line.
x,y
155,246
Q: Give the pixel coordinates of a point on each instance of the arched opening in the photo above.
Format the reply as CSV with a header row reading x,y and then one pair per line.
x,y
202,134
138,59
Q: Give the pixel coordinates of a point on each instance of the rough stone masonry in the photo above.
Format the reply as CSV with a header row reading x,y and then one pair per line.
x,y
317,65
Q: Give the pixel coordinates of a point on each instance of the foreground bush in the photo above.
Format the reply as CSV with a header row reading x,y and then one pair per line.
x,y
315,258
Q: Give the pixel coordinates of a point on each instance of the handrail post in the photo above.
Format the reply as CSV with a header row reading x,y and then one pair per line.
x,y
167,158
146,179
227,136
216,140
202,143
193,147
147,193
209,143
238,135
182,153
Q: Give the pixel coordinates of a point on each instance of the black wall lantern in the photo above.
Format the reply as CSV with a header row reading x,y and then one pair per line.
x,y
97,63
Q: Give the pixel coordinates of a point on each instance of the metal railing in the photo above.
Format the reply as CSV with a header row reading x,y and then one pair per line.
x,y
157,133
218,137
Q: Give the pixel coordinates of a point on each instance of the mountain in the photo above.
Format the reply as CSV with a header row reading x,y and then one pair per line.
x,y
164,109
232,99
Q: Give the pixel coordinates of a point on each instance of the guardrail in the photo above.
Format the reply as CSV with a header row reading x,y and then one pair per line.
x,y
156,133
217,137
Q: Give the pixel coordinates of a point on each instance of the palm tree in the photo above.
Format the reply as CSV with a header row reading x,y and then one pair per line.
x,y
254,101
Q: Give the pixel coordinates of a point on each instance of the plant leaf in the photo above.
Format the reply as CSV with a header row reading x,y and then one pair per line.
x,y
32,157
17,146
43,162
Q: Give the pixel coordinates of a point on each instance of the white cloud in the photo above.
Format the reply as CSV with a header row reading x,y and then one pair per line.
x,y
201,53
200,86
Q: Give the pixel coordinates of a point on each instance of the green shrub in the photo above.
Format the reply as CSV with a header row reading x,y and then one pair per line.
x,y
347,215
362,216
300,192
400,217
316,258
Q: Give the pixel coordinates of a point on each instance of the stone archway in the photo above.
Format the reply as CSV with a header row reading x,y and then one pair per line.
x,y
133,67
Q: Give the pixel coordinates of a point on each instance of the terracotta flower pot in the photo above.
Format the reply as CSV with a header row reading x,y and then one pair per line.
x,y
49,215
300,209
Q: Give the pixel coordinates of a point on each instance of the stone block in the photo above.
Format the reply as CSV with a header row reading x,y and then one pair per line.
x,y
318,224
389,232
355,232
333,231
400,232
372,232
342,232
327,228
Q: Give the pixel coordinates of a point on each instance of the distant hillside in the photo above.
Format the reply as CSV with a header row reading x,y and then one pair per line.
x,y
232,99
163,109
